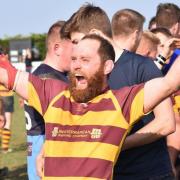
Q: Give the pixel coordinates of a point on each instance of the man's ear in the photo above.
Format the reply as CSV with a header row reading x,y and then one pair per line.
x,y
174,29
57,48
136,34
108,66
96,31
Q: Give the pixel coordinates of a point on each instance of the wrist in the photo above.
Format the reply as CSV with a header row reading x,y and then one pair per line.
x,y
12,72
160,60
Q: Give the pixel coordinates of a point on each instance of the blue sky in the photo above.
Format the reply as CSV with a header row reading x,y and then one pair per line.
x,y
36,16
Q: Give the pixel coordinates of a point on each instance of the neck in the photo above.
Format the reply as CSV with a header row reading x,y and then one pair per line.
x,y
118,50
54,63
124,42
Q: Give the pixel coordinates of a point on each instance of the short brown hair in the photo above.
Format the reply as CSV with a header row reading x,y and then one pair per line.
x,y
126,21
150,37
152,22
54,32
86,18
167,15
106,50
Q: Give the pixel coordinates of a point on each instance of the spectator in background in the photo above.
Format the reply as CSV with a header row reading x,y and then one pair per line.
x,y
136,162
164,35
28,60
127,26
4,170
152,23
148,45
8,102
2,117
56,65
168,16
7,98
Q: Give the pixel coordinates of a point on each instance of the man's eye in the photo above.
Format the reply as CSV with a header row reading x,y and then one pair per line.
x,y
73,59
162,45
85,60
75,41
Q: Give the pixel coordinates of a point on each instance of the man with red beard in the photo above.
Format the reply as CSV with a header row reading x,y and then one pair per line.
x,y
93,87
85,128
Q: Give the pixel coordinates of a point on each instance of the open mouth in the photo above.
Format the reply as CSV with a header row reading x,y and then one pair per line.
x,y
79,77
81,81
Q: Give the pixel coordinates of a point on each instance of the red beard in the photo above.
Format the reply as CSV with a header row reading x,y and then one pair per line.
x,y
94,88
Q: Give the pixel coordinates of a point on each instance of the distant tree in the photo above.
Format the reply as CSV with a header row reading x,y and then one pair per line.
x,y
4,45
38,42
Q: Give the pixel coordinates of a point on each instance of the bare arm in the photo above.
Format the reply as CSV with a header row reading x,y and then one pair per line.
x,y
21,87
154,92
40,162
11,78
159,88
162,125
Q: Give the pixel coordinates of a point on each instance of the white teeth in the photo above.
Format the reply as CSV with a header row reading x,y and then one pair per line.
x,y
78,74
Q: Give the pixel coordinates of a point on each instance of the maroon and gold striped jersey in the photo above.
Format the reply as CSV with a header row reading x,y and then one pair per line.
x,y
83,140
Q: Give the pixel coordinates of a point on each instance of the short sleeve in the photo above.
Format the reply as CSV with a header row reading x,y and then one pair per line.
x,y
41,92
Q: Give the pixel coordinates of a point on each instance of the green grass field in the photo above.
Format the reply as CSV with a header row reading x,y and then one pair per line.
x,y
16,160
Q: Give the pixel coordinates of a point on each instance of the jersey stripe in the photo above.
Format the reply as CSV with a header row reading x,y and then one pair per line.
x,y
73,167
63,103
33,99
82,149
125,97
87,133
92,118
81,142
72,178
137,107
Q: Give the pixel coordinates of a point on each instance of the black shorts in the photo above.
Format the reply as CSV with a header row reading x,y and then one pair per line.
x,y
8,102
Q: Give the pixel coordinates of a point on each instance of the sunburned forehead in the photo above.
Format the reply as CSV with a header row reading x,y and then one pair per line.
x,y
86,47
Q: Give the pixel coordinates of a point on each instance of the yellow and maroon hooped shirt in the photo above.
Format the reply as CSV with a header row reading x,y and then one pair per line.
x,y
83,140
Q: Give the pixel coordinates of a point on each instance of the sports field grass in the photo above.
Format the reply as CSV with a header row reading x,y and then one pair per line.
x,y
16,160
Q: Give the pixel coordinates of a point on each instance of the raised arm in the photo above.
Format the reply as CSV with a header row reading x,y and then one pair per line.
x,y
158,89
162,125
11,78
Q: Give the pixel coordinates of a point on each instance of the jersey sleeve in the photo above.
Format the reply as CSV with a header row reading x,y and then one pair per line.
x,y
41,92
131,101
137,107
